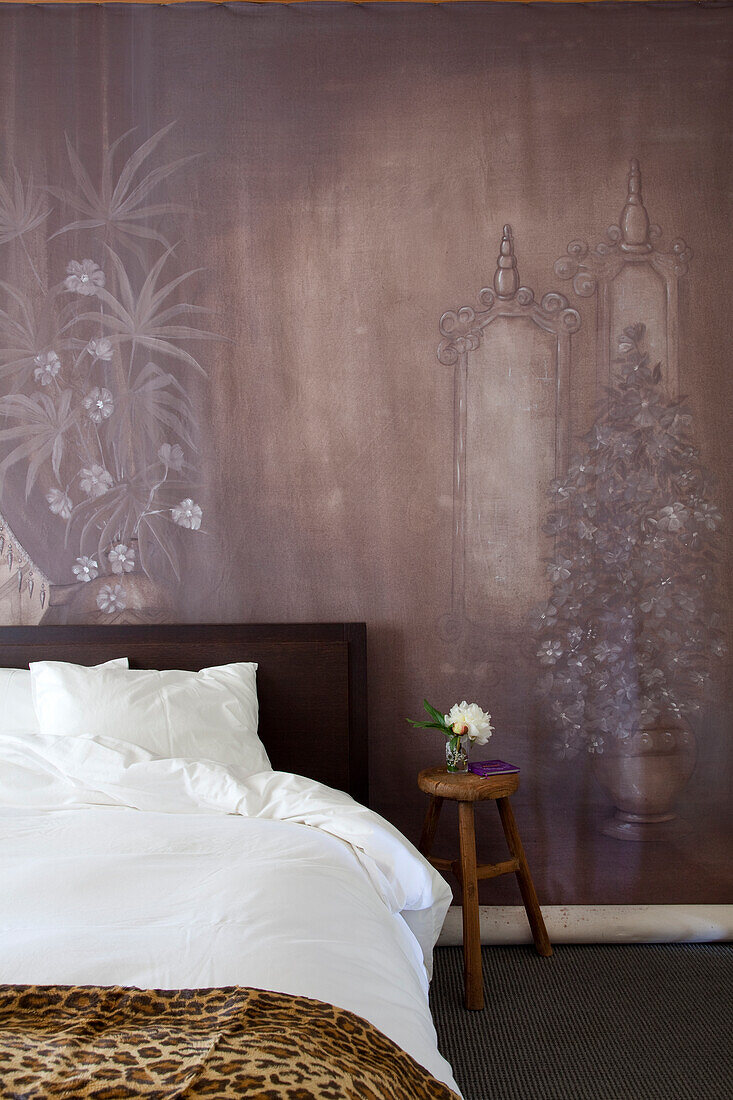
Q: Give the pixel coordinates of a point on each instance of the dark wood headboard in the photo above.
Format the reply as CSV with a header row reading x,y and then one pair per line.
x,y
311,680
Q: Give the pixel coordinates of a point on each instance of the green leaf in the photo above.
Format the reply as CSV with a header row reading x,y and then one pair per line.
x,y
434,714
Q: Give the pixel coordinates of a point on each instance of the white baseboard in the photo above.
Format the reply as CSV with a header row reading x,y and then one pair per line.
x,y
507,924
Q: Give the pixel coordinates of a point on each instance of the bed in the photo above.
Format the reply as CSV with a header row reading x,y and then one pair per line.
x,y
179,927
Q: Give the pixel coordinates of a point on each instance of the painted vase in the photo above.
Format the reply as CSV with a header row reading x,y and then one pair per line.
x,y
644,780
131,598
456,754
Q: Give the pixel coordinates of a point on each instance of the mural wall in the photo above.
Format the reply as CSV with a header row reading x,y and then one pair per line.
x,y
315,313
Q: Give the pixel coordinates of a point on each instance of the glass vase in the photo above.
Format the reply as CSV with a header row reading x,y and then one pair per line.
x,y
456,754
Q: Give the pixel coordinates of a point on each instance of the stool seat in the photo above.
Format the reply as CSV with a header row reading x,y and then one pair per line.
x,y
465,786
466,789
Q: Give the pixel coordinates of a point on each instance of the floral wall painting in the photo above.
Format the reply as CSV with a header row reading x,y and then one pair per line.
x,y
309,312
94,367
628,634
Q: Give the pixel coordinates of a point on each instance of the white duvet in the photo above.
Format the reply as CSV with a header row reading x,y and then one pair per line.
x,y
177,874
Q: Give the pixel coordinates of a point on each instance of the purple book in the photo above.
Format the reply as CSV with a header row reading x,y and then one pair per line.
x,y
492,767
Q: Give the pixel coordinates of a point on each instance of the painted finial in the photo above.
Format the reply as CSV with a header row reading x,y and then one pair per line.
x,y
634,222
506,279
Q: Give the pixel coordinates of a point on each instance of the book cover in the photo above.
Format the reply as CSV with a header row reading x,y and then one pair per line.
x,y
492,767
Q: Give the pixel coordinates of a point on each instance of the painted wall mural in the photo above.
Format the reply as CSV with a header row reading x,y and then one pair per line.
x,y
93,419
230,246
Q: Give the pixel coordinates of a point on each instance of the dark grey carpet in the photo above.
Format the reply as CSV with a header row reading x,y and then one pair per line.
x,y
611,1022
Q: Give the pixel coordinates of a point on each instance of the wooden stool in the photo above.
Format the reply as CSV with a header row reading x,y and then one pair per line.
x,y
465,789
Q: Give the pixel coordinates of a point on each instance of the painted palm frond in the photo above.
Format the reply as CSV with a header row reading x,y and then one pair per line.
x,y
155,407
121,515
144,319
28,332
155,536
120,206
41,425
111,517
104,430
22,208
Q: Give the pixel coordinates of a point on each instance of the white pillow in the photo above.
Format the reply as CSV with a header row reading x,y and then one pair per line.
x,y
16,697
209,715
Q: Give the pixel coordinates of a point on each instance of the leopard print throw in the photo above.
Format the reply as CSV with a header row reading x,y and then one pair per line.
x,y
113,1044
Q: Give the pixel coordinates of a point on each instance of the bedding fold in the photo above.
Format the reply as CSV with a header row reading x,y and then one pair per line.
x,y
125,869
52,773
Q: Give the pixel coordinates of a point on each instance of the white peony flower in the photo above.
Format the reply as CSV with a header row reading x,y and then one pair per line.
x,y
187,514
84,278
48,366
468,718
121,558
101,349
111,598
95,481
60,503
99,404
86,569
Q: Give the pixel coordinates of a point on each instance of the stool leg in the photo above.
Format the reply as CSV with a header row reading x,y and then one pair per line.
x,y
473,976
526,886
431,824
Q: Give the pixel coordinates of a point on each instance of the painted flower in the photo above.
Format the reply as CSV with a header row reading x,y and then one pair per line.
x,y
644,410
624,445
99,404
656,601
563,593
559,569
650,677
95,481
565,747
101,349
549,653
673,517
111,598
48,366
580,469
121,558
570,715
187,514
86,569
559,490
171,455
604,651
660,445
578,663
84,278
595,744
60,503
708,515
468,718
600,435
543,617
